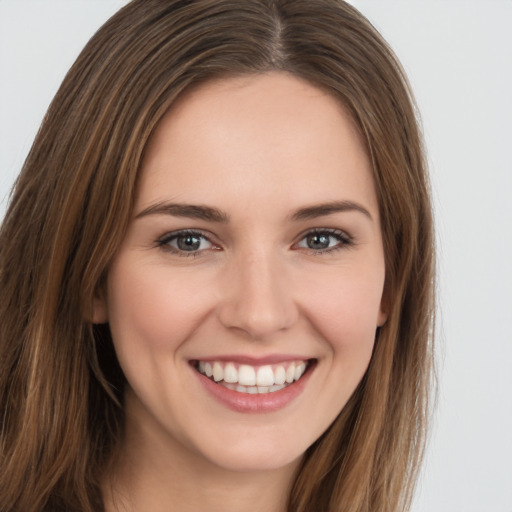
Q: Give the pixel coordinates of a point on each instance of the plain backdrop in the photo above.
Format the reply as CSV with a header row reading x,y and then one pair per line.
x,y
458,55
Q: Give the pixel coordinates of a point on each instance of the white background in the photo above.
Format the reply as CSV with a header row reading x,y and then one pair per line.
x,y
459,58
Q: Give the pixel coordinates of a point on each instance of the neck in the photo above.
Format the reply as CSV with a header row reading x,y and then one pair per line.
x,y
158,473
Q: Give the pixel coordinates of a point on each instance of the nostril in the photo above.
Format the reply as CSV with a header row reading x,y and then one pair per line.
x,y
257,298
258,319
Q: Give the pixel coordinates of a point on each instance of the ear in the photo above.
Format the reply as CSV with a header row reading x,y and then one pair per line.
x,y
382,318
383,311
99,307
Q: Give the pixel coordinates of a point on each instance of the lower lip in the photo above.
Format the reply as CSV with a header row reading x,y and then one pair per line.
x,y
257,403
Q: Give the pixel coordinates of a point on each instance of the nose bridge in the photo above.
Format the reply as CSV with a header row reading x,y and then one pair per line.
x,y
259,297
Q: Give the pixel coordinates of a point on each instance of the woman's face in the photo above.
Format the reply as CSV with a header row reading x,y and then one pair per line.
x,y
244,300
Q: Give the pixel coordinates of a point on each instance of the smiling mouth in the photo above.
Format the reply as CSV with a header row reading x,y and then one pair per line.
x,y
245,378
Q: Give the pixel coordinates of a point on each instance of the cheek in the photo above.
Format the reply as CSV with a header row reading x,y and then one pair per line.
x,y
151,309
343,309
346,311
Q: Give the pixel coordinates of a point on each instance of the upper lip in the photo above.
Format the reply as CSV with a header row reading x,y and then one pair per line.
x,y
254,361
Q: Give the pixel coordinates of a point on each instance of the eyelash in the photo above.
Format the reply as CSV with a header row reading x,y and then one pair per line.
x,y
344,241
164,242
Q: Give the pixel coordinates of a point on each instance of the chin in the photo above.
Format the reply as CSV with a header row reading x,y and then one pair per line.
x,y
252,451
256,460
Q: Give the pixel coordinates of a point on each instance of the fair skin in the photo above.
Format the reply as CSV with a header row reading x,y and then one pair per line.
x,y
255,243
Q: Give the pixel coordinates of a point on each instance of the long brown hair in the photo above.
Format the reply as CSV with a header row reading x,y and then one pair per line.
x,y
60,384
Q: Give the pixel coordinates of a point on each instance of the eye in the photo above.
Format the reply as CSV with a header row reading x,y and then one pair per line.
x,y
324,240
186,243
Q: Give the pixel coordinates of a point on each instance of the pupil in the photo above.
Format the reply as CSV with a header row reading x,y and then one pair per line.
x,y
318,241
189,243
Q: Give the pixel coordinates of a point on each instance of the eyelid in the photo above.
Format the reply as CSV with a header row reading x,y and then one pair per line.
x,y
345,239
164,241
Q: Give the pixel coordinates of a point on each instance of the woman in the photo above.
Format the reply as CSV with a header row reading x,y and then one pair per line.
x,y
217,270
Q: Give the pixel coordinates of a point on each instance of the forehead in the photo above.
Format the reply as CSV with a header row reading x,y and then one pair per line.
x,y
258,136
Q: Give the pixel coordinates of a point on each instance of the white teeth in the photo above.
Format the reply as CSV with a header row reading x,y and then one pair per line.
x,y
290,373
230,373
265,376
280,375
249,379
246,375
218,372
252,389
299,370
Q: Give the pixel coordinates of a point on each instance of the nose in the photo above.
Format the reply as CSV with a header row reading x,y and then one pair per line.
x,y
258,297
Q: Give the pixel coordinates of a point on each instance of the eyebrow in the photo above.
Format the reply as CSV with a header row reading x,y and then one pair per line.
x,y
320,210
190,211
211,214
